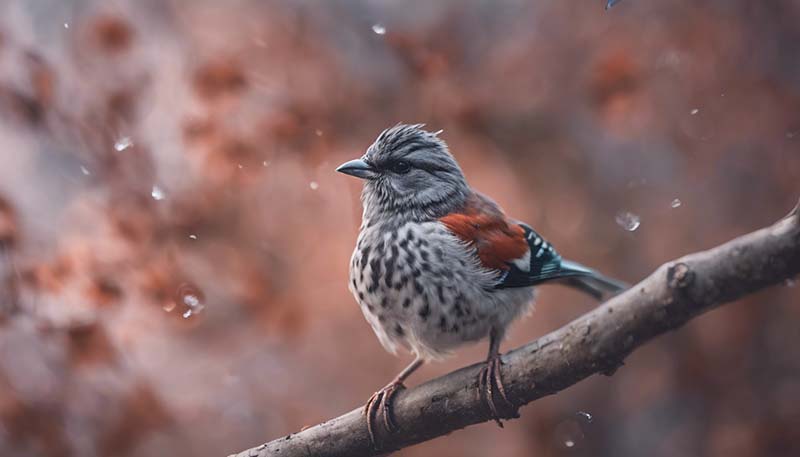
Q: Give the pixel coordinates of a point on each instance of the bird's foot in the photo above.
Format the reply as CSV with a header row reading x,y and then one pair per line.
x,y
381,403
489,378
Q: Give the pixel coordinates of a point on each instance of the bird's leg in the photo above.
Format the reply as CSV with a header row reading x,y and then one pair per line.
x,y
489,376
382,401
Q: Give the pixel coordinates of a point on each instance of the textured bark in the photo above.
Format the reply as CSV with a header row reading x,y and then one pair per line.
x,y
596,342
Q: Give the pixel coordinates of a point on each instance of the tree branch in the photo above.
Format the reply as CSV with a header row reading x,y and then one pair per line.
x,y
596,342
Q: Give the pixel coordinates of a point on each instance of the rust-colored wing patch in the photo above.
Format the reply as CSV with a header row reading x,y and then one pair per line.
x,y
482,224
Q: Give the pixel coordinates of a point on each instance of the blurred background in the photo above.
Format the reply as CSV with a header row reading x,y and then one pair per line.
x,y
174,241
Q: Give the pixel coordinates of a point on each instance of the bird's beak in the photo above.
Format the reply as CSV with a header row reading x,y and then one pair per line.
x,y
358,168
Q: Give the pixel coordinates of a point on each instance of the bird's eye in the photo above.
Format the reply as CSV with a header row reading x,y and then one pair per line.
x,y
401,167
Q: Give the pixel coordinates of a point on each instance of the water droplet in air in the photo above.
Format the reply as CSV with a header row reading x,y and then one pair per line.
x,y
85,170
265,163
313,185
123,144
790,282
66,25
240,166
157,193
628,221
191,298
675,203
193,236
191,301
695,111
169,306
569,433
318,132
379,29
583,414
611,3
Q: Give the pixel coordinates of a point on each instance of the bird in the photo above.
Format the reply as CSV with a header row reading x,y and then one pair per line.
x,y
438,265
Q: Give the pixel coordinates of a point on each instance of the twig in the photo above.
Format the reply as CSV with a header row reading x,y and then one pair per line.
x,y
596,342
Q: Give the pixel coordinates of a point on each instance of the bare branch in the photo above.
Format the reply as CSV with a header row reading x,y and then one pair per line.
x,y
596,342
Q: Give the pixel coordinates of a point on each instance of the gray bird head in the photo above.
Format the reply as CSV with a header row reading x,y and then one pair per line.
x,y
409,175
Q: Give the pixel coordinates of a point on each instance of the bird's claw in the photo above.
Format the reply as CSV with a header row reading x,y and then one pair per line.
x,y
488,377
382,401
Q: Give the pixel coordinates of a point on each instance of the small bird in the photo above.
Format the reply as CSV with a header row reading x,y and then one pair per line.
x,y
438,265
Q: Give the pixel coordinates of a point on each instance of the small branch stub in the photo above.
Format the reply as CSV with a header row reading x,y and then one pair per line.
x,y
679,276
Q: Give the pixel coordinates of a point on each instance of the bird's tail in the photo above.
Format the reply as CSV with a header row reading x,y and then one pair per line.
x,y
589,281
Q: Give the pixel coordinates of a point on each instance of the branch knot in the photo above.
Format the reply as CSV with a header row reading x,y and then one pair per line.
x,y
679,276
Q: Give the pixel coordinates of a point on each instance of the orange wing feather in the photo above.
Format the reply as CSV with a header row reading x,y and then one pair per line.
x,y
482,224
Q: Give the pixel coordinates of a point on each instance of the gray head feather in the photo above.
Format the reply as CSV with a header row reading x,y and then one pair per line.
x,y
418,179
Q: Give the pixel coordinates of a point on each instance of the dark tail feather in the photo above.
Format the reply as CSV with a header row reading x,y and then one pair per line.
x,y
589,281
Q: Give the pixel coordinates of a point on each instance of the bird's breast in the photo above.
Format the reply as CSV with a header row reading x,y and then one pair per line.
x,y
419,288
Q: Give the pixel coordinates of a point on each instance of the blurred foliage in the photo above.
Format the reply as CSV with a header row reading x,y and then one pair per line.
x,y
174,242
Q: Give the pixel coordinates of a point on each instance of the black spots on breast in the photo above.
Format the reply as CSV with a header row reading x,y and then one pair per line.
x,y
355,285
418,287
455,328
361,295
443,324
371,308
381,318
399,330
387,275
458,310
389,265
424,255
385,302
375,274
426,267
416,272
425,311
459,307
401,282
407,302
440,293
437,251
378,251
365,256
